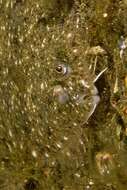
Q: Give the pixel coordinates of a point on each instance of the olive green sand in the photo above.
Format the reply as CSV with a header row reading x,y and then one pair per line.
x,y
55,134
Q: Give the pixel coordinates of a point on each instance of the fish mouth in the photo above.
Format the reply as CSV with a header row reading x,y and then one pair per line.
x,y
83,105
62,96
88,102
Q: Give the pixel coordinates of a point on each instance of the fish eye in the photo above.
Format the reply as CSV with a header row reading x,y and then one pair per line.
x,y
61,69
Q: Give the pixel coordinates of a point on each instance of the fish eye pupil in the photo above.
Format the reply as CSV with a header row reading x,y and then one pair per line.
x,y
59,68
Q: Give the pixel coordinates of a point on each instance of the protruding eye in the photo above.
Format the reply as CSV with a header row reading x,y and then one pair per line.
x,y
62,69
59,68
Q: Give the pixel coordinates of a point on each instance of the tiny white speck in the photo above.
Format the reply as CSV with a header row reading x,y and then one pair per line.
x,y
42,45
68,154
75,124
53,36
21,39
77,175
21,146
48,146
69,35
70,87
77,20
37,5
7,4
48,28
53,163
55,122
75,51
42,86
81,142
46,155
105,15
65,138
3,28
91,183
32,129
10,133
9,147
34,153
58,145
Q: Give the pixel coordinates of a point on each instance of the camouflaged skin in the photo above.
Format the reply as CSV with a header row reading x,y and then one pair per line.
x,y
45,141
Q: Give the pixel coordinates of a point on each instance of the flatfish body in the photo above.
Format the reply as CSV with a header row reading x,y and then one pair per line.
x,y
47,93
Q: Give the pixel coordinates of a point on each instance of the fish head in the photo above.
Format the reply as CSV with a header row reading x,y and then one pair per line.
x,y
73,95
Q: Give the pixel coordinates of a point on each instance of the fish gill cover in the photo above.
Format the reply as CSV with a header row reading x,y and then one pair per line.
x,y
53,133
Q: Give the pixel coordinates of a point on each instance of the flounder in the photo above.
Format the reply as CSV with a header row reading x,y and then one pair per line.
x,y
47,93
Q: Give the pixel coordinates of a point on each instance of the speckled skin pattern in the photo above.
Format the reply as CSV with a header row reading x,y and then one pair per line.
x,y
43,110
